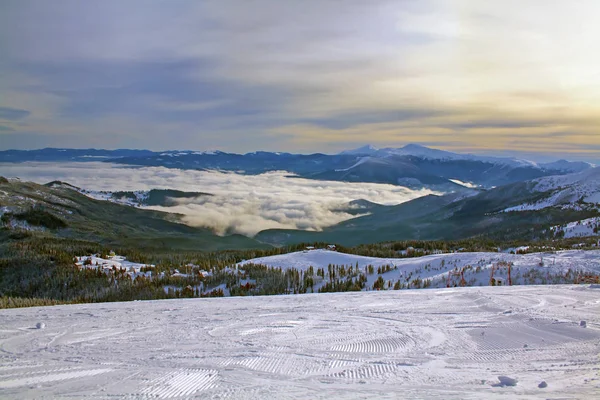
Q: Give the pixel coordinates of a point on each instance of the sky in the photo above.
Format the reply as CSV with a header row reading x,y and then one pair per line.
x,y
481,76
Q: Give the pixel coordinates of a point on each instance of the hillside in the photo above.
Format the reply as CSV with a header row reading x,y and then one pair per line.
x,y
497,213
575,191
439,270
81,217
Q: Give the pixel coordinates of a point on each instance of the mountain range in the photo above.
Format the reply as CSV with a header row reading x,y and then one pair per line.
x,y
523,210
514,211
412,166
502,198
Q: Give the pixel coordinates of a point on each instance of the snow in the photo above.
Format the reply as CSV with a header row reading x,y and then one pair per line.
x,y
437,267
360,161
140,197
586,180
424,152
582,228
119,262
435,154
443,343
567,166
565,190
545,203
465,184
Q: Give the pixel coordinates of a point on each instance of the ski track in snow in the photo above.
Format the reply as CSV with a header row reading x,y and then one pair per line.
x,y
436,343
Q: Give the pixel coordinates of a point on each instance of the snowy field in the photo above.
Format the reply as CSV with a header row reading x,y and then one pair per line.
x,y
437,343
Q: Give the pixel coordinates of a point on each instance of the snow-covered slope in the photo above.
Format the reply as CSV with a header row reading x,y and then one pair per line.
x,y
582,228
360,161
435,154
584,183
534,268
567,166
137,200
433,344
570,191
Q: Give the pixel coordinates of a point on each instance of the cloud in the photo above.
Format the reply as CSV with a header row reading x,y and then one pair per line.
x,y
12,114
243,204
245,75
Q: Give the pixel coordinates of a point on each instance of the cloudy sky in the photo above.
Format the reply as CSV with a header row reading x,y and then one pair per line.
x,y
481,76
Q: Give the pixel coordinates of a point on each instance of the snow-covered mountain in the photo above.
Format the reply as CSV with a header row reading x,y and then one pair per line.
x,y
575,191
567,166
363,151
418,150
582,228
413,165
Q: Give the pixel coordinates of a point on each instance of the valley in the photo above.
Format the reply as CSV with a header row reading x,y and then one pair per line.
x,y
172,243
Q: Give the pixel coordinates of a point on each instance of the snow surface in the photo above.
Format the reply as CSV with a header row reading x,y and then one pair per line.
x,y
444,344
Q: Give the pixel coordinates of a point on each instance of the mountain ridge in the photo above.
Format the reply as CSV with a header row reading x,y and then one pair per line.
x,y
494,213
414,166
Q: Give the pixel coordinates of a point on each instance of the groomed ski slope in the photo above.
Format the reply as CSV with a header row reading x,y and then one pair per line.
x,y
435,344
436,267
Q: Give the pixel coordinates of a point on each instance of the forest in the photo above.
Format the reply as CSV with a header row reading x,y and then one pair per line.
x,y
39,269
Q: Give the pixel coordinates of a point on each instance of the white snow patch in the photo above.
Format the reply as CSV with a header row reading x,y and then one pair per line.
x,y
360,161
465,184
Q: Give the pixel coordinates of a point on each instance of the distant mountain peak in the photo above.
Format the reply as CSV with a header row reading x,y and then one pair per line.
x,y
415,146
364,150
567,166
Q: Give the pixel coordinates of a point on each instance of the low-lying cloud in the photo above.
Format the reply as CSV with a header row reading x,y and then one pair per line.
x,y
243,204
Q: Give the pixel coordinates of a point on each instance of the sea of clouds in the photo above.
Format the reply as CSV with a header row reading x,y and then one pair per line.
x,y
243,204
